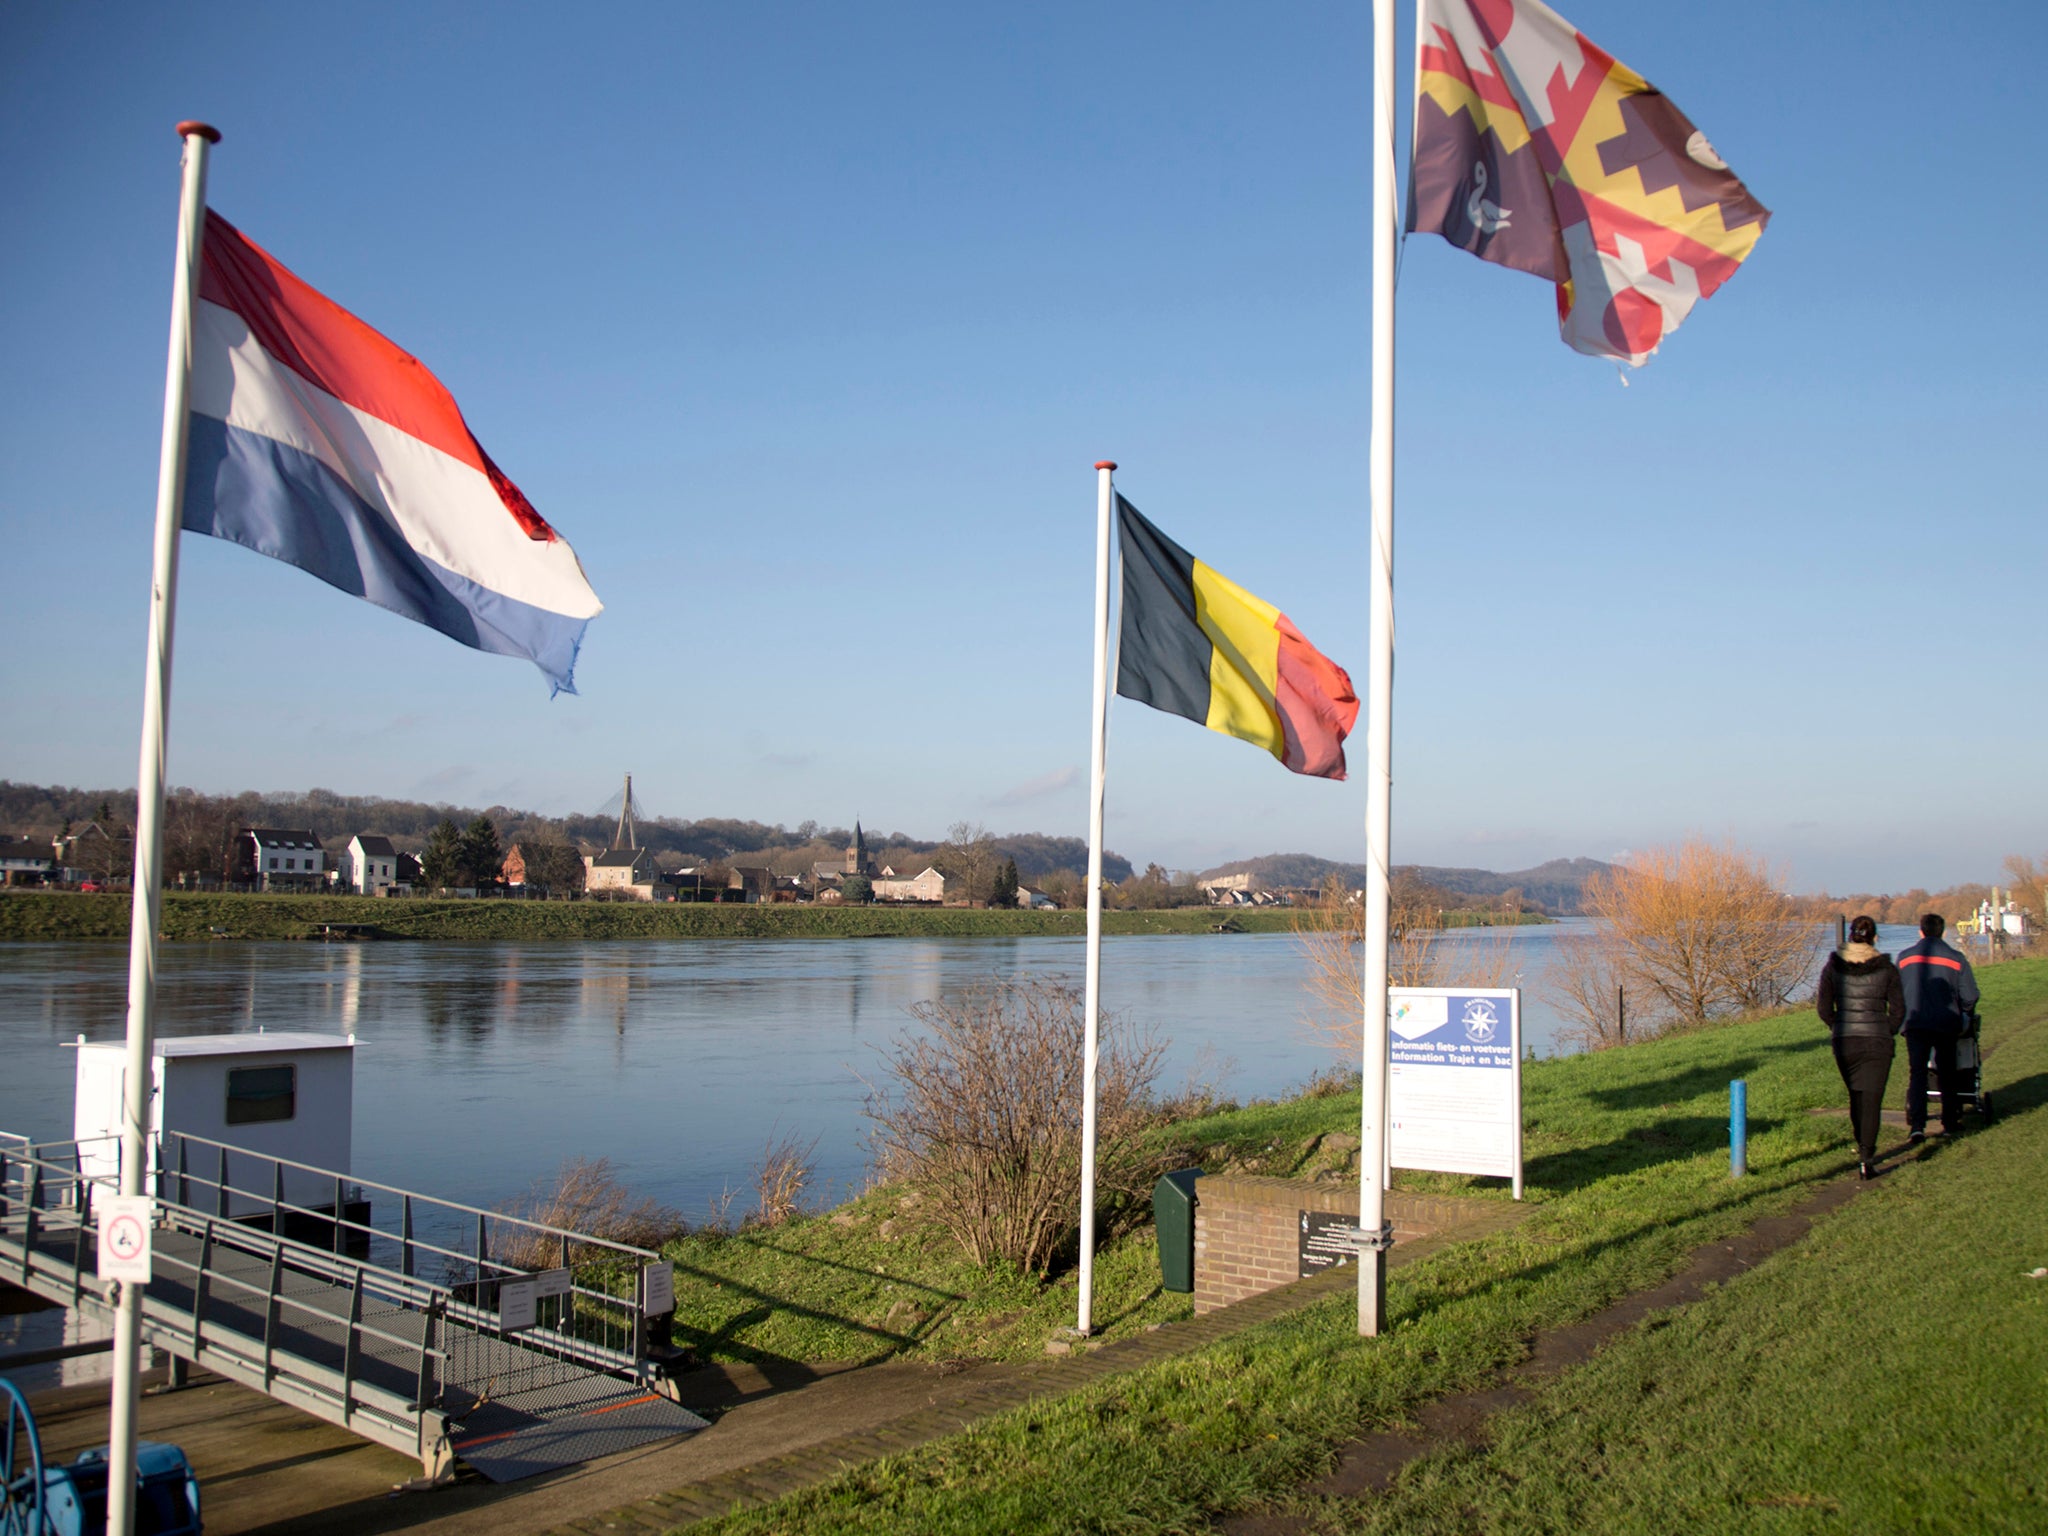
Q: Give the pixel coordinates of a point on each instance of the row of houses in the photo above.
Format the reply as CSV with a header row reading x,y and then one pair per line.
x,y
288,859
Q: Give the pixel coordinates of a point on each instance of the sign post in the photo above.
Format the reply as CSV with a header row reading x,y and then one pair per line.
x,y
1454,1086
125,1222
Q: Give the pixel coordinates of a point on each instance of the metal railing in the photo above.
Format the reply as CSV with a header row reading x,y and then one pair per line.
x,y
300,1324
387,1311
600,1316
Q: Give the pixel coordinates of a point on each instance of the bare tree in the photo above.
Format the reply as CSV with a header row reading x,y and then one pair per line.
x,y
1692,932
1587,982
1420,952
980,1114
2029,879
969,856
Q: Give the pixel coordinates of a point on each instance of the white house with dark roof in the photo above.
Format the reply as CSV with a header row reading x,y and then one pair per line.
x,y
372,866
24,861
626,871
281,859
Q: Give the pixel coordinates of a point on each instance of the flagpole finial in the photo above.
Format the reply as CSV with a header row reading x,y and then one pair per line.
x,y
205,130
1105,463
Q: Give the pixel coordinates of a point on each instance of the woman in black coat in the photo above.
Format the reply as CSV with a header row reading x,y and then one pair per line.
x,y
1863,1004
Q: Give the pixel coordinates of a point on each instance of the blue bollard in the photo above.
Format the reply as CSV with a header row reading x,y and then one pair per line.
x,y
1738,1128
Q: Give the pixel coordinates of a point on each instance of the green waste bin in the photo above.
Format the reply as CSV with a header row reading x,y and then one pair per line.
x,y
1173,1213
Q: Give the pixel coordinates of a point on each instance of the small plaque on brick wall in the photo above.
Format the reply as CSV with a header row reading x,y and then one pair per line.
x,y
1322,1246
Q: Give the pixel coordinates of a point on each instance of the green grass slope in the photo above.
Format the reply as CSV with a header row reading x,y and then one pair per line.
x,y
1809,1391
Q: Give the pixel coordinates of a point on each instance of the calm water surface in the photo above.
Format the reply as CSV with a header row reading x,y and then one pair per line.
x,y
481,1067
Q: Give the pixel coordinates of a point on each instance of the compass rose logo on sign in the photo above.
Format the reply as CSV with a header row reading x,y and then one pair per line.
x,y
1481,1022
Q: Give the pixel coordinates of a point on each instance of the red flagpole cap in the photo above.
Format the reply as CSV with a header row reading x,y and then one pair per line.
x,y
205,130
1105,463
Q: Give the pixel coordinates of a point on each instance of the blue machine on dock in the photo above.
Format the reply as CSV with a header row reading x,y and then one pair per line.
x,y
39,1500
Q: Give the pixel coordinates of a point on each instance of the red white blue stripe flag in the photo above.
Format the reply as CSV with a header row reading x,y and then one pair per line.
x,y
319,442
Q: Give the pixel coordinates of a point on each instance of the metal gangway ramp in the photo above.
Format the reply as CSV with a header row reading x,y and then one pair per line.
x,y
438,1329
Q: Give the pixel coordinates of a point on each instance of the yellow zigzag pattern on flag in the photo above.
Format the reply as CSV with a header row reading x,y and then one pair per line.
x,y
1583,169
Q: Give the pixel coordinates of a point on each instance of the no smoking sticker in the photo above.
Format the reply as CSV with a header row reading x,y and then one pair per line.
x,y
124,1236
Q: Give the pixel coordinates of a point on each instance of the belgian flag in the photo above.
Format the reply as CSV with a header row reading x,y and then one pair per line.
x,y
1195,643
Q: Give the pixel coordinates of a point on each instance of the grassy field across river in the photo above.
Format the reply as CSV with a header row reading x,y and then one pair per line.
x,y
1882,1374
66,915
63,915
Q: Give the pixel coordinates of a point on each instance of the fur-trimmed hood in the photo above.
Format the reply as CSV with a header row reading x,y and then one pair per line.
x,y
1861,959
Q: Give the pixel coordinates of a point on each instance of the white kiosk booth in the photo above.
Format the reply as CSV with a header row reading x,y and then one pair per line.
x,y
278,1095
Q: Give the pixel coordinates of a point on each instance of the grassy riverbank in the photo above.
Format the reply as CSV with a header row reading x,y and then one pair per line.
x,y
57,916
1882,1375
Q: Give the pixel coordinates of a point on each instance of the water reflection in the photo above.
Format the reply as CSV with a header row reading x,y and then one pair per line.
x,y
484,1066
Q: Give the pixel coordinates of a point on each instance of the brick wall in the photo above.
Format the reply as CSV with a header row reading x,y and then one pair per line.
x,y
1248,1230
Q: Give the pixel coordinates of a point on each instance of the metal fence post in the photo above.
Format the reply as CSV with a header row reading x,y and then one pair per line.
x,y
350,1344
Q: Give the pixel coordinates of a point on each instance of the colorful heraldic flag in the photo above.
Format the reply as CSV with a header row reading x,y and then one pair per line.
x,y
1536,150
1195,643
318,442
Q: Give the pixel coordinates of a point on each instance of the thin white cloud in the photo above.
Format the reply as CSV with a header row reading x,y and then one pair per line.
x,y
1039,788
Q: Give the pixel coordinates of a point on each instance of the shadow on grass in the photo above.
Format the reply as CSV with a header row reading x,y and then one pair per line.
x,y
886,1341
1739,1193
1670,1140
1104,1324
1696,1082
2019,1095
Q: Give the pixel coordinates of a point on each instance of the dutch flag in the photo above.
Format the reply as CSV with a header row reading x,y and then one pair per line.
x,y
318,442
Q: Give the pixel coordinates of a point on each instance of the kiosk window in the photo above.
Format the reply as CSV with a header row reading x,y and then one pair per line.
x,y
261,1093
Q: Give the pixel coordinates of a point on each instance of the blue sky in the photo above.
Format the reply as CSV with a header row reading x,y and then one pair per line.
x,y
804,323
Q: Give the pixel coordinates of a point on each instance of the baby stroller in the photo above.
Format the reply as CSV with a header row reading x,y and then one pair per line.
x,y
1969,1067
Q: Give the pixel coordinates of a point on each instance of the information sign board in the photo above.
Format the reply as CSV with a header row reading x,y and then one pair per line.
x,y
1320,1250
1454,1080
517,1309
551,1282
125,1222
658,1289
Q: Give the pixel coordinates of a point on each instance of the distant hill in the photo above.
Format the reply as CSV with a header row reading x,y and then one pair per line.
x,y
1557,885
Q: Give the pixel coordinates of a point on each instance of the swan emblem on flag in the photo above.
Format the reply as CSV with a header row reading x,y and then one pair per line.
x,y
1480,1021
1486,215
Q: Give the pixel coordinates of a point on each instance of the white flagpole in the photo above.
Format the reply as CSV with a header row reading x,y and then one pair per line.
x,y
1379,688
147,914
1092,1002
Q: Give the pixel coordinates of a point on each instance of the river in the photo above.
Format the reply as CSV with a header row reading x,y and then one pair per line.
x,y
481,1067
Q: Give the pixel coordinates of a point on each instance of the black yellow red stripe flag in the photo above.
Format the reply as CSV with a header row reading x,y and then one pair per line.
x,y
1195,643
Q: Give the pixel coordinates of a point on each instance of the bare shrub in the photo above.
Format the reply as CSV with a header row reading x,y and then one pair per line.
x,y
783,1177
981,1116
1692,933
1332,1082
1421,952
585,1197
1587,981
1201,1092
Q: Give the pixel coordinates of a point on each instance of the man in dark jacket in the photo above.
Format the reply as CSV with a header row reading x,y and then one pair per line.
x,y
1941,993
1862,1003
